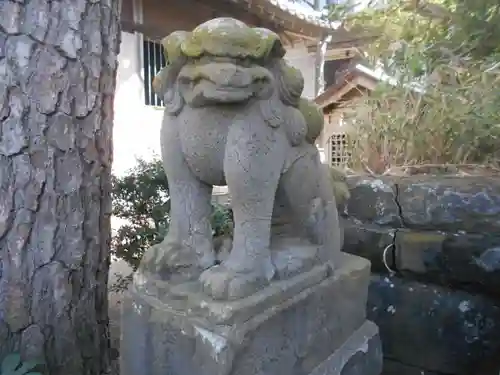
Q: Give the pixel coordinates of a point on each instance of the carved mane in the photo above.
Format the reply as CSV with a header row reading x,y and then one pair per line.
x,y
234,39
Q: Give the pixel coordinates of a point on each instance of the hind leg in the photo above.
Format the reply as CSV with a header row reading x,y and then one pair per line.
x,y
309,192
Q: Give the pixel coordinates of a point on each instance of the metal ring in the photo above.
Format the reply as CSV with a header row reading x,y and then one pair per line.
x,y
384,259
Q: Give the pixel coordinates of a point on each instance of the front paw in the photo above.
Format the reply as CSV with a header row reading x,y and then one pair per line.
x,y
223,283
173,257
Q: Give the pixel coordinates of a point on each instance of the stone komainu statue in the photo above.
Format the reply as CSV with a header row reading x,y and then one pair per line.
x,y
234,116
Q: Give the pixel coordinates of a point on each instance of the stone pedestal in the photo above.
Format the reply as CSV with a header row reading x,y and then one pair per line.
x,y
314,323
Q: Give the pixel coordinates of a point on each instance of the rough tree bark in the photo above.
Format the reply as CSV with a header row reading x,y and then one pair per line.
x,y
58,62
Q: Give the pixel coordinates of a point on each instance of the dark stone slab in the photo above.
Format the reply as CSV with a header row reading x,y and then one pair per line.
x,y
452,204
292,336
397,368
434,328
373,200
473,260
467,261
369,241
419,252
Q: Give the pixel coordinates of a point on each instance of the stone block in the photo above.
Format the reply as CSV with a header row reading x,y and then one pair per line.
x,y
397,368
314,323
361,354
467,261
473,260
452,204
432,327
373,200
369,241
419,252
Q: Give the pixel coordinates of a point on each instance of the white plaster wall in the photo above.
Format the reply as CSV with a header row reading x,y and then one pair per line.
x,y
300,59
136,126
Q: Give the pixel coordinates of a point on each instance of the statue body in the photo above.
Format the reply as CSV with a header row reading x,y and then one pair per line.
x,y
234,117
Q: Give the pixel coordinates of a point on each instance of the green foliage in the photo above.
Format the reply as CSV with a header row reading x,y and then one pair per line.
x,y
437,29
141,199
442,105
449,124
13,365
222,221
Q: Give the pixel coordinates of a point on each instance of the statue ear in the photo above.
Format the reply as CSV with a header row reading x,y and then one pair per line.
x,y
165,86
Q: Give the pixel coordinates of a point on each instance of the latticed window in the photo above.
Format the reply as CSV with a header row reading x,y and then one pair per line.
x,y
153,61
339,149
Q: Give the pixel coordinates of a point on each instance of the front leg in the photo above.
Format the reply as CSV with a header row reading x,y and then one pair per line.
x,y
254,159
187,248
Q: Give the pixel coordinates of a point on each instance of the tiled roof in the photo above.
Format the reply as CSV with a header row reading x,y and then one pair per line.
x,y
377,75
294,9
306,13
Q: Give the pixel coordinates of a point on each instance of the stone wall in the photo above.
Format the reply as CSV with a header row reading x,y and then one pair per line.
x,y
434,244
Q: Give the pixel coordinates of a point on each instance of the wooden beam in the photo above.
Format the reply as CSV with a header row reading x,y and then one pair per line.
x,y
150,31
301,36
288,39
356,41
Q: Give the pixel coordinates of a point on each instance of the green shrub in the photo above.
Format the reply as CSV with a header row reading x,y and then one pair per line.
x,y
450,51
456,121
141,198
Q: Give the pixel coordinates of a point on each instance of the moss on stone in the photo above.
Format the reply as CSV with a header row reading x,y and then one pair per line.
x,y
422,237
339,184
172,45
314,119
229,37
294,81
341,192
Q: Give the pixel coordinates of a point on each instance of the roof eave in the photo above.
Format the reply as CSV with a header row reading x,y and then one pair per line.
x,y
348,78
309,26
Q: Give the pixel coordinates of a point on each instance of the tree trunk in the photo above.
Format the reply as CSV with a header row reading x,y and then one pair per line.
x,y
58,62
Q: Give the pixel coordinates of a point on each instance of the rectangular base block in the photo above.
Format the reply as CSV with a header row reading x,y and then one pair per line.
x,y
321,330
361,354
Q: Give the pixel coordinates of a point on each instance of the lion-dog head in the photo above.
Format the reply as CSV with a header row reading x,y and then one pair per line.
x,y
225,62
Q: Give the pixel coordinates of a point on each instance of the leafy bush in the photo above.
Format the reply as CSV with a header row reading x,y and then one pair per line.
x,y
13,365
441,106
451,123
222,221
141,199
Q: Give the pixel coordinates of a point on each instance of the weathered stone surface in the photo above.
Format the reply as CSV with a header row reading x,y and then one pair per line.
x,y
373,200
396,368
473,260
434,328
446,234
470,204
294,335
447,203
418,252
361,354
369,241
470,261
262,146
